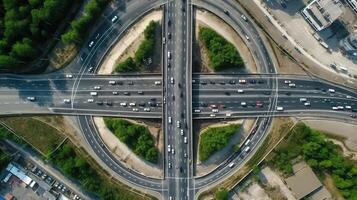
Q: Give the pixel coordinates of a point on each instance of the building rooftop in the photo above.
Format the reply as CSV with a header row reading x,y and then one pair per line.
x,y
304,180
322,13
352,4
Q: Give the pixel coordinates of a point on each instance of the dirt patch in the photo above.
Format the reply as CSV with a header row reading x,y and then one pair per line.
x,y
61,56
124,154
129,43
253,191
201,61
329,184
340,129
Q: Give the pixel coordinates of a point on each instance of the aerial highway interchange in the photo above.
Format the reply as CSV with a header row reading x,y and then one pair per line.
x,y
176,95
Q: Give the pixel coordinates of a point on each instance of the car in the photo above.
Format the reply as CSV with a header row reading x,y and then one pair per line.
x,y
178,124
213,106
97,87
259,104
212,82
252,81
334,108
168,148
181,132
173,151
157,82
227,93
140,92
203,83
202,104
348,107
132,104
130,83
288,93
31,98
287,81
94,93
112,82
66,100
181,169
126,93
353,116
172,80
232,82
222,83
185,154
163,40
169,22
243,104
83,56
97,36
212,115
169,55
135,109
307,104
197,111
147,109
173,97
246,149
99,103
185,140
170,120
303,99
91,43
340,107
69,76
109,103
231,165
331,90
226,12
120,82
279,108
242,81
170,166
292,85
114,18
91,69
90,100
247,37
215,110
243,17
261,81
142,104
124,104
115,93
348,97
240,91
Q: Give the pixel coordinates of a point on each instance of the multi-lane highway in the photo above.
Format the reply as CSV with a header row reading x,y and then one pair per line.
x,y
176,95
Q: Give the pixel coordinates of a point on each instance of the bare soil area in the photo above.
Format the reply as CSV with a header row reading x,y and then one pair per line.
x,y
341,129
124,154
129,43
200,57
253,191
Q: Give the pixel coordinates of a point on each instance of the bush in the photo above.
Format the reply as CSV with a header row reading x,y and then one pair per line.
x,y
215,139
136,137
322,155
145,50
75,166
222,194
222,54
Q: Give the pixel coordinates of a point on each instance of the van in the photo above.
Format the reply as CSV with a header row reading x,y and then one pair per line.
x,y
231,164
279,108
243,103
247,142
185,140
93,93
169,55
170,120
240,91
303,99
246,149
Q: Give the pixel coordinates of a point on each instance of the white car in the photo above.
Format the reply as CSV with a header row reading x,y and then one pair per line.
x,y
147,109
287,81
215,110
242,81
93,93
112,82
303,99
178,124
185,140
170,168
243,103
168,148
348,107
292,85
170,120
114,19
231,165
115,93
135,110
243,17
123,104
181,132
91,43
240,91
90,100
97,87
66,100
172,80
132,104
348,97
157,82
331,90
31,98
69,76
197,111
212,115
279,108
307,104
173,151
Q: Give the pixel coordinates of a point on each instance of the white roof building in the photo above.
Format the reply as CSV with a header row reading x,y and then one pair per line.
x,y
19,174
322,13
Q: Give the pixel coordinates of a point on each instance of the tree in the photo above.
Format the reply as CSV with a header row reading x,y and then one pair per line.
x,y
222,194
128,65
24,50
71,36
7,62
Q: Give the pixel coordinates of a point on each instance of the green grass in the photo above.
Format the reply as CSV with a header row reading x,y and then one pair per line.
x,y
136,137
215,139
221,53
38,134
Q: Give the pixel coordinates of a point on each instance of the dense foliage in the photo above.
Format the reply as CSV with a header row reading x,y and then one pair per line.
x,y
322,155
222,194
215,139
145,50
137,137
25,26
4,159
80,27
222,54
75,166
